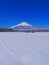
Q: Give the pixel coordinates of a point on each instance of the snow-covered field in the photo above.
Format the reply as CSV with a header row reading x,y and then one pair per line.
x,y
24,48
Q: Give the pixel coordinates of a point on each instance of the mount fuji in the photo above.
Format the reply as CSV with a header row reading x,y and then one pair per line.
x,y
24,26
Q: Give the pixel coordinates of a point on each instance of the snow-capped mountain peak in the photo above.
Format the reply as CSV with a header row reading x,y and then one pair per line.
x,y
21,24
24,24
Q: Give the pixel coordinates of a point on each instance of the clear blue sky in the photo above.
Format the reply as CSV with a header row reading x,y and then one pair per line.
x,y
35,12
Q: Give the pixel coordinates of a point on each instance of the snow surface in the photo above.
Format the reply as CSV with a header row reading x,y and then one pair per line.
x,y
24,48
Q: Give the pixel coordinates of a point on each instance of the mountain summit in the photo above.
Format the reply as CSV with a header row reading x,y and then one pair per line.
x,y
24,24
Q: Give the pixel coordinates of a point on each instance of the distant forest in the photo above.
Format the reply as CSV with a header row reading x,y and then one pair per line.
x,y
11,30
